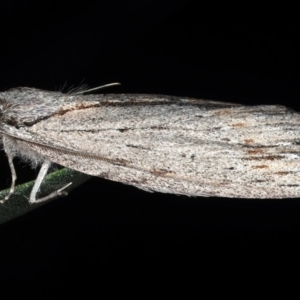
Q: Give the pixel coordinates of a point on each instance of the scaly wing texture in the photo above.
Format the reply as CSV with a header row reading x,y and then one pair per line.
x,y
190,147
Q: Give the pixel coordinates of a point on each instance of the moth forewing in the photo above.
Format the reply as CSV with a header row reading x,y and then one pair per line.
x,y
165,144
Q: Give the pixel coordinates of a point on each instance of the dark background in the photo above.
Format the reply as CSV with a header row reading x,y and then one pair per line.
x,y
163,47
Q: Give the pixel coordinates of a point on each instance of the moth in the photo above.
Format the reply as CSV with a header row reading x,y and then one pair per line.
x,y
157,143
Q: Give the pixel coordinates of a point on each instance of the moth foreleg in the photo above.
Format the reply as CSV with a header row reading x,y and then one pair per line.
x,y
43,171
13,174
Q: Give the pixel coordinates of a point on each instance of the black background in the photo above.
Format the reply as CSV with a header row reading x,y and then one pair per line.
x,y
105,229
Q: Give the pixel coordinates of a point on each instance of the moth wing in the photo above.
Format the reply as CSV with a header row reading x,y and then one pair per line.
x,y
195,148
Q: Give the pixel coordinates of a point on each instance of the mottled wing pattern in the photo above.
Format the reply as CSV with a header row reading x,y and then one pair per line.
x,y
173,145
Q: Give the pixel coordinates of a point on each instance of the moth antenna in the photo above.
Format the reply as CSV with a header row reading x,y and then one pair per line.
x,y
13,173
37,184
61,89
97,88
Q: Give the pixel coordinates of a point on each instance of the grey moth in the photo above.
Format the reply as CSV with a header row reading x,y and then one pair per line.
x,y
157,143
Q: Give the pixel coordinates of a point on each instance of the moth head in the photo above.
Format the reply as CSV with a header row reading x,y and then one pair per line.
x,y
5,106
6,111
2,109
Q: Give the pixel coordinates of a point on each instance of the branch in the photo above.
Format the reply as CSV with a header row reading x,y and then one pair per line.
x,y
18,205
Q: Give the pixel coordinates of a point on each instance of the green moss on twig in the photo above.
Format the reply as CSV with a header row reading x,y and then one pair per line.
x,y
18,203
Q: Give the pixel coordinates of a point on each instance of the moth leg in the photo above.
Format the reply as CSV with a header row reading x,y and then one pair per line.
x,y
13,175
43,171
